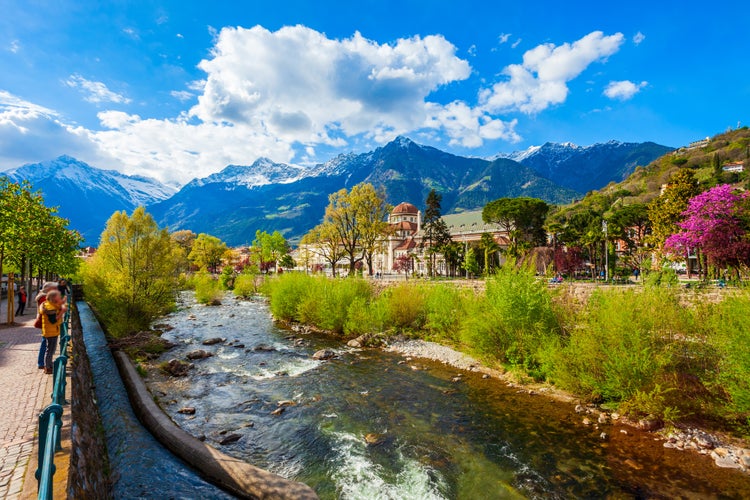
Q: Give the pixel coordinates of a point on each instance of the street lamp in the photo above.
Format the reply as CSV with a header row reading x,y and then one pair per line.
x,y
606,252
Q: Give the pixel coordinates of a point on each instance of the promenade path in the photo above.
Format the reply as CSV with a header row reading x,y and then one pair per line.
x,y
24,392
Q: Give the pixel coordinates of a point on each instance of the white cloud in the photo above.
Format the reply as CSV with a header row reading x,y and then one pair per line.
x,y
95,92
638,38
541,80
472,50
14,46
623,90
182,95
132,33
179,35
516,43
300,85
30,132
504,37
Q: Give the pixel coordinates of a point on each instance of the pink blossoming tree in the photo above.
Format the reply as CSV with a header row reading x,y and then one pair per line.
x,y
716,226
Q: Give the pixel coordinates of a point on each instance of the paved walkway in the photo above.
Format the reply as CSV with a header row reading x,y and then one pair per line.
x,y
24,392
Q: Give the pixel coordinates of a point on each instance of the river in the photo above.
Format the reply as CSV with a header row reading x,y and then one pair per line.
x,y
434,437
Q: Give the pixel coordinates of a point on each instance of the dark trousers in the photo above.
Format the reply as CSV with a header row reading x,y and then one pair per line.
x,y
42,352
50,353
21,307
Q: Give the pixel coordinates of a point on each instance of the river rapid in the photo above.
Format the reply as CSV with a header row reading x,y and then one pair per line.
x,y
431,436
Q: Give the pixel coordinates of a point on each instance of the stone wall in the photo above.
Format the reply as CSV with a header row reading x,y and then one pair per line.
x,y
88,475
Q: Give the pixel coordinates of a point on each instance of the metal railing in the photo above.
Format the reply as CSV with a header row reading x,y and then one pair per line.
x,y
50,420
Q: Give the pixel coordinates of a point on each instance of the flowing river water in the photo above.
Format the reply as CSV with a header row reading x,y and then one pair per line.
x,y
434,438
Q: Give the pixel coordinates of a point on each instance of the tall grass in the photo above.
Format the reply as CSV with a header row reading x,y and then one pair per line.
x,y
640,348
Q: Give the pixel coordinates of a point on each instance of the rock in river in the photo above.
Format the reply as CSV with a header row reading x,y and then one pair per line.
x,y
199,354
188,410
230,438
324,354
264,348
177,368
212,341
278,411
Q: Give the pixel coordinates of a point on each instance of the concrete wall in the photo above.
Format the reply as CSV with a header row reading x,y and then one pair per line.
x,y
88,471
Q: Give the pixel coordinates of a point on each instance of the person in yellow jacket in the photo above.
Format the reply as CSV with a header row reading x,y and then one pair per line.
x,y
52,312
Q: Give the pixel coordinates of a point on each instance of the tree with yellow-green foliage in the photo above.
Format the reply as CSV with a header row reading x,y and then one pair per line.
x,y
131,279
207,252
666,211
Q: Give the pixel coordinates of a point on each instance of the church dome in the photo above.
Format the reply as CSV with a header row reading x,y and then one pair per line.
x,y
405,209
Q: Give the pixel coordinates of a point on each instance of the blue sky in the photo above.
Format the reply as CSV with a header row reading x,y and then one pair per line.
x,y
177,90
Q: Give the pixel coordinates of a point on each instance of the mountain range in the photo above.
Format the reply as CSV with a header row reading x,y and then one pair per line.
x,y
233,203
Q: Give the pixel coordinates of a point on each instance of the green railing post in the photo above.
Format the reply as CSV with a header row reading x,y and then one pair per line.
x,y
50,422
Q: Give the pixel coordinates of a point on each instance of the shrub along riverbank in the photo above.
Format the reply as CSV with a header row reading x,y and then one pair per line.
x,y
640,350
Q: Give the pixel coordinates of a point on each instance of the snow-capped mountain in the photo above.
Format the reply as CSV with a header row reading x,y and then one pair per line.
x,y
228,206
263,171
584,168
86,195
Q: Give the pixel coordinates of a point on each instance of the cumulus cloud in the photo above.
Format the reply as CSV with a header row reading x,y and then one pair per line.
x,y
95,92
623,90
541,79
302,86
284,94
30,132
638,38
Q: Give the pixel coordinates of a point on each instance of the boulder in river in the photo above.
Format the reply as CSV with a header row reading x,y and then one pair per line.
x,y
188,410
199,354
264,348
324,354
214,340
176,368
230,438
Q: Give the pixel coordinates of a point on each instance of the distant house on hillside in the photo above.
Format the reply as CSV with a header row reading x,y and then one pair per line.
x,y
735,167
699,144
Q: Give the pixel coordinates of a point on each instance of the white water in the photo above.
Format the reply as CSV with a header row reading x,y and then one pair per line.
x,y
358,477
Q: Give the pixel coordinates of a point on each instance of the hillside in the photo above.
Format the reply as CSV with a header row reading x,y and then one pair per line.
x,y
645,183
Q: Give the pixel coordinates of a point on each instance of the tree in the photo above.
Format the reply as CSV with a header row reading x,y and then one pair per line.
x,y
323,240
287,262
716,224
404,263
666,211
471,264
453,253
131,279
272,247
489,246
522,218
358,219
436,235
207,252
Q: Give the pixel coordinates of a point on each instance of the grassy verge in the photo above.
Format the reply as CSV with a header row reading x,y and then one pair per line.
x,y
641,351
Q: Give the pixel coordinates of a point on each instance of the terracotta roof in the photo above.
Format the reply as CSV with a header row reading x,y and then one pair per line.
x,y
407,244
405,225
405,208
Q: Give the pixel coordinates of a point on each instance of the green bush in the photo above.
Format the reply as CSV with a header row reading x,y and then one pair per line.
x,y
327,303
445,309
515,322
245,284
286,292
730,323
624,343
663,277
226,278
366,317
405,306
207,289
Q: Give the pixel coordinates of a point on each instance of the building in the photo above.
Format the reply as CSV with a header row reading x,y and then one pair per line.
x,y
734,167
407,236
405,240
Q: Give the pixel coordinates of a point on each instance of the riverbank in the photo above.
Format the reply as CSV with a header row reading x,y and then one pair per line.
x,y
365,423
727,452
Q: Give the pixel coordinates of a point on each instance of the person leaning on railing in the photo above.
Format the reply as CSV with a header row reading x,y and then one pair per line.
x,y
52,313
40,299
